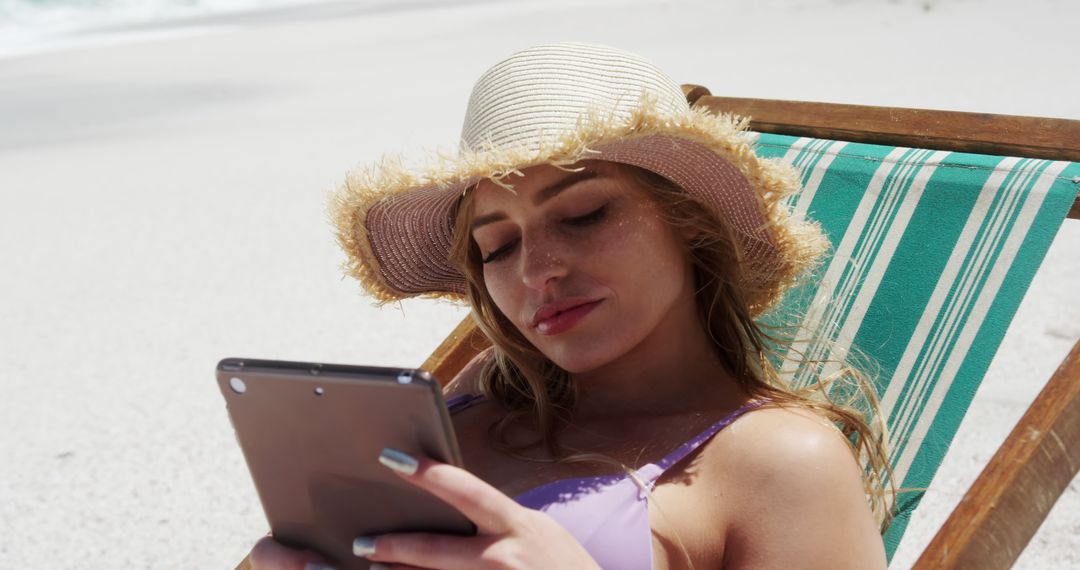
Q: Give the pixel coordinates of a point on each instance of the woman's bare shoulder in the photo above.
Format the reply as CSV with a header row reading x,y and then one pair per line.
x,y
778,441
798,490
790,428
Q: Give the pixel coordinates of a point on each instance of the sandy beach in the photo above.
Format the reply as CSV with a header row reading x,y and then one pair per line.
x,y
162,205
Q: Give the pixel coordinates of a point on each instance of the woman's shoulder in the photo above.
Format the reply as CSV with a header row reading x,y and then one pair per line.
x,y
788,464
781,441
800,432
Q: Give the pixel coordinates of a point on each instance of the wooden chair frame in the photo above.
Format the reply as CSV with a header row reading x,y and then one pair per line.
x,y
1018,487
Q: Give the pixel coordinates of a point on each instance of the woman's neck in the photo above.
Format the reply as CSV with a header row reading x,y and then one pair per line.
x,y
675,369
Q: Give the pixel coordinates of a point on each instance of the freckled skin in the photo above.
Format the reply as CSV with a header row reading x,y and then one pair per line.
x,y
629,260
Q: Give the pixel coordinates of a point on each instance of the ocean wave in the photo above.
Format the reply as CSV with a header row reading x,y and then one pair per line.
x,y
25,24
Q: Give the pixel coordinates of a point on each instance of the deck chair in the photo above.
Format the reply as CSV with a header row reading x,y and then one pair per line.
x,y
889,186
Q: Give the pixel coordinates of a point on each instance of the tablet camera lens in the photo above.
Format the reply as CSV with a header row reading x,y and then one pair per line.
x,y
319,391
237,385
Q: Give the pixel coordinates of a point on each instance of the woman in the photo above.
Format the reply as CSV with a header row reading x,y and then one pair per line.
x,y
618,249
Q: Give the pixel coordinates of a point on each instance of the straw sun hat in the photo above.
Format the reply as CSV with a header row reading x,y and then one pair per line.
x,y
559,104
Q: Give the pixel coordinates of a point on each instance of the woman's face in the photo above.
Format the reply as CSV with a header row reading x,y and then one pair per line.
x,y
580,262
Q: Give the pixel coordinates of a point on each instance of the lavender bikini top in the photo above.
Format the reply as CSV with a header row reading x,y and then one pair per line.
x,y
608,514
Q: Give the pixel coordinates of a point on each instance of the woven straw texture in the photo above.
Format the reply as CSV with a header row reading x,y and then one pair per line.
x,y
560,104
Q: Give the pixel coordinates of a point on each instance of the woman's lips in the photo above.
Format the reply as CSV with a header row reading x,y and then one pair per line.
x,y
554,318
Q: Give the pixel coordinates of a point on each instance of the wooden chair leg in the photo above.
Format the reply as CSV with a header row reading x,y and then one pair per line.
x,y
1014,493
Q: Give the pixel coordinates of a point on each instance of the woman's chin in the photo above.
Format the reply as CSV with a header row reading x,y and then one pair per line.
x,y
576,358
576,368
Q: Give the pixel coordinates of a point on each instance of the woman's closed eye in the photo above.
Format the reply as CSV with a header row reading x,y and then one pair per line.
x,y
588,218
501,251
584,220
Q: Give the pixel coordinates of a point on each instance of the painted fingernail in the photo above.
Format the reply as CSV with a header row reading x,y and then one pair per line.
x,y
318,566
363,546
398,461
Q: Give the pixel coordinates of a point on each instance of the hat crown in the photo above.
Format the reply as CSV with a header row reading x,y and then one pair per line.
x,y
539,94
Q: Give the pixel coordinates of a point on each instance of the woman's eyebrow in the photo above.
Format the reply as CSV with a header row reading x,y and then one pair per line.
x,y
539,198
485,219
551,191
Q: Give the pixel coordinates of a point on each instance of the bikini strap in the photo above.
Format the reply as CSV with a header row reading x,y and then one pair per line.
x,y
651,472
457,403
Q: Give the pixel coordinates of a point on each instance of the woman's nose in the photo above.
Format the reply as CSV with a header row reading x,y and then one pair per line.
x,y
542,260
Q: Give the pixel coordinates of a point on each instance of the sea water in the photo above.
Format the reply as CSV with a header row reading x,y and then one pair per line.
x,y
29,26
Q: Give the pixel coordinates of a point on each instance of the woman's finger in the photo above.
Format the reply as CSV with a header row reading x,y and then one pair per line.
x,y
486,506
423,550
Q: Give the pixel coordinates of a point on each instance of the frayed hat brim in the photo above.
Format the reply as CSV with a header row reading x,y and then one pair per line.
x,y
396,224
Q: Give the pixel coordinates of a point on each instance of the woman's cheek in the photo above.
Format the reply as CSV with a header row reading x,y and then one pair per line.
x,y
500,287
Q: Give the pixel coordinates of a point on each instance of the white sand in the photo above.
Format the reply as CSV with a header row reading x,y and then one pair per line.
x,y
162,206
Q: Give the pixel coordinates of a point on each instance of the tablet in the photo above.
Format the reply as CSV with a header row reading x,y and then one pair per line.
x,y
311,435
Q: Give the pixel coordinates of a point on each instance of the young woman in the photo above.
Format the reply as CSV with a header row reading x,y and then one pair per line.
x,y
618,249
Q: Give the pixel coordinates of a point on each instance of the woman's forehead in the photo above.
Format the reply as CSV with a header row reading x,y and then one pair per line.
x,y
540,182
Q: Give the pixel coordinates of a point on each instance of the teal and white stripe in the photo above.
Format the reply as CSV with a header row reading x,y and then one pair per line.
x,y
812,157
961,300
932,253
859,261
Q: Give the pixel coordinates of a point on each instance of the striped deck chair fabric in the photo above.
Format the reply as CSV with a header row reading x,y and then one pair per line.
x,y
932,253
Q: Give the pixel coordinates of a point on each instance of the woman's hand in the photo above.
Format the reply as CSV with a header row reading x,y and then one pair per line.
x,y
508,535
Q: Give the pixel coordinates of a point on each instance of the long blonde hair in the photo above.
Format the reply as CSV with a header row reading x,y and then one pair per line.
x,y
533,389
